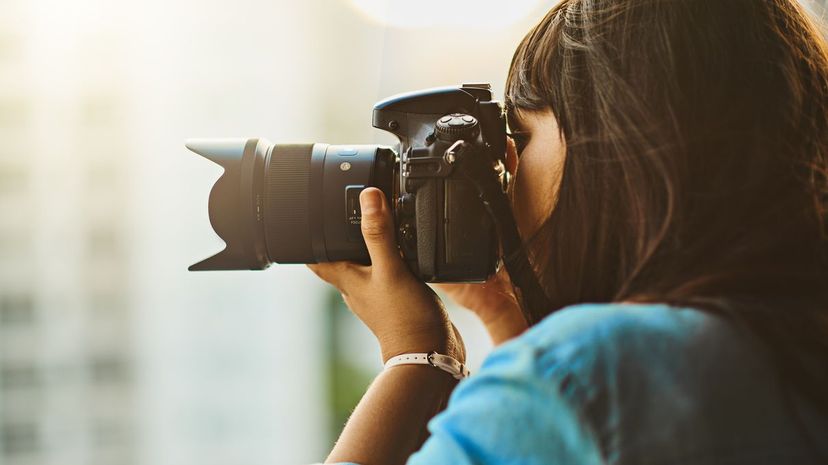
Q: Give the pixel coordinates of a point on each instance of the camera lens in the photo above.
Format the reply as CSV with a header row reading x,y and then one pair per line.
x,y
290,203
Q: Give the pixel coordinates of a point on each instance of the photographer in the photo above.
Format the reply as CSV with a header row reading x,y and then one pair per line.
x,y
671,185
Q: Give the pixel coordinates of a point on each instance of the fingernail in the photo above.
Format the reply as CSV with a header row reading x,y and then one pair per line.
x,y
370,201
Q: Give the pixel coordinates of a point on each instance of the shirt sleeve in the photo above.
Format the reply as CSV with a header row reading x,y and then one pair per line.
x,y
516,410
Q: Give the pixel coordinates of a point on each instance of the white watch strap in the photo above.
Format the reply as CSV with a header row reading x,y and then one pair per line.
x,y
443,362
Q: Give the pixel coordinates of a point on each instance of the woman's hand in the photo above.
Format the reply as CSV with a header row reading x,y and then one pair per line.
x,y
404,314
493,302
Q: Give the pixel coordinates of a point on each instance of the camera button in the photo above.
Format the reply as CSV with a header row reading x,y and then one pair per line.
x,y
348,152
353,213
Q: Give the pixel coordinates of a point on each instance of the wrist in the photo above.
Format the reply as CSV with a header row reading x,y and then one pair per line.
x,y
390,351
441,341
441,362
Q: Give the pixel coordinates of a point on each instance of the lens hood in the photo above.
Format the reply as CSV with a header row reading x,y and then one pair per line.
x,y
233,204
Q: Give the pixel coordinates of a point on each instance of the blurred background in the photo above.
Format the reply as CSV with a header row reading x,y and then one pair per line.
x,y
111,352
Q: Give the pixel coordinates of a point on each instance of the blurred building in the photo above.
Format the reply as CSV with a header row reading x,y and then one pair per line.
x,y
102,359
66,354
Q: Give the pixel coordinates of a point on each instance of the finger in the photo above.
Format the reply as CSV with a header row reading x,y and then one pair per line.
x,y
511,156
323,271
448,287
502,283
502,276
378,230
337,274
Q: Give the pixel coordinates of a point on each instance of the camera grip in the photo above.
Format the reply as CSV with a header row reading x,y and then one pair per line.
x,y
427,209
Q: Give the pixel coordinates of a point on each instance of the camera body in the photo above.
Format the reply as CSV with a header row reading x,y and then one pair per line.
x,y
444,231
299,203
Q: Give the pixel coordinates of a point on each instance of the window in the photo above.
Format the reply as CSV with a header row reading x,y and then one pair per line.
x,y
19,438
103,241
16,309
19,376
108,369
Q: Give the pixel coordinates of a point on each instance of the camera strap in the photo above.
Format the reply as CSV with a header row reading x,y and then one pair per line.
x,y
528,290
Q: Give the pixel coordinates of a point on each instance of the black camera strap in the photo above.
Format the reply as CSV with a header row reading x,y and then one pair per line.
x,y
529,292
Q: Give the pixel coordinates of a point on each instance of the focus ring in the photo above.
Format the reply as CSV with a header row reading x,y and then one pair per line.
x,y
286,213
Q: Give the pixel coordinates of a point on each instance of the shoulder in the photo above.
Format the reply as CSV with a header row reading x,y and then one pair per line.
x,y
631,361
588,324
640,376
590,340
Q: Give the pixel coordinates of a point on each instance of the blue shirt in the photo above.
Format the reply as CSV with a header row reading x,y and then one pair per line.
x,y
623,384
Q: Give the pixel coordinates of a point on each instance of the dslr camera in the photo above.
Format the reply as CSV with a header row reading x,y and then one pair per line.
x,y
299,203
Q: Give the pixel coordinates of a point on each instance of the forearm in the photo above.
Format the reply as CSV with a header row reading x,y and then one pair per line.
x,y
389,424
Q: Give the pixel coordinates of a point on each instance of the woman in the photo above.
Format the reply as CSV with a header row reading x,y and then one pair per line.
x,y
672,190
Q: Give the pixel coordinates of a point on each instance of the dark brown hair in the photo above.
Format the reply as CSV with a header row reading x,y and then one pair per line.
x,y
696,168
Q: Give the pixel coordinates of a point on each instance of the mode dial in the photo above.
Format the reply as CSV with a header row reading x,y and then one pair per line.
x,y
457,126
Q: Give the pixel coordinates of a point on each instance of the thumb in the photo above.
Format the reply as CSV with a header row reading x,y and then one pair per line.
x,y
378,230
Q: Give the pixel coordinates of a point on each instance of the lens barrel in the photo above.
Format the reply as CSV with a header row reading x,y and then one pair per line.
x,y
290,203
